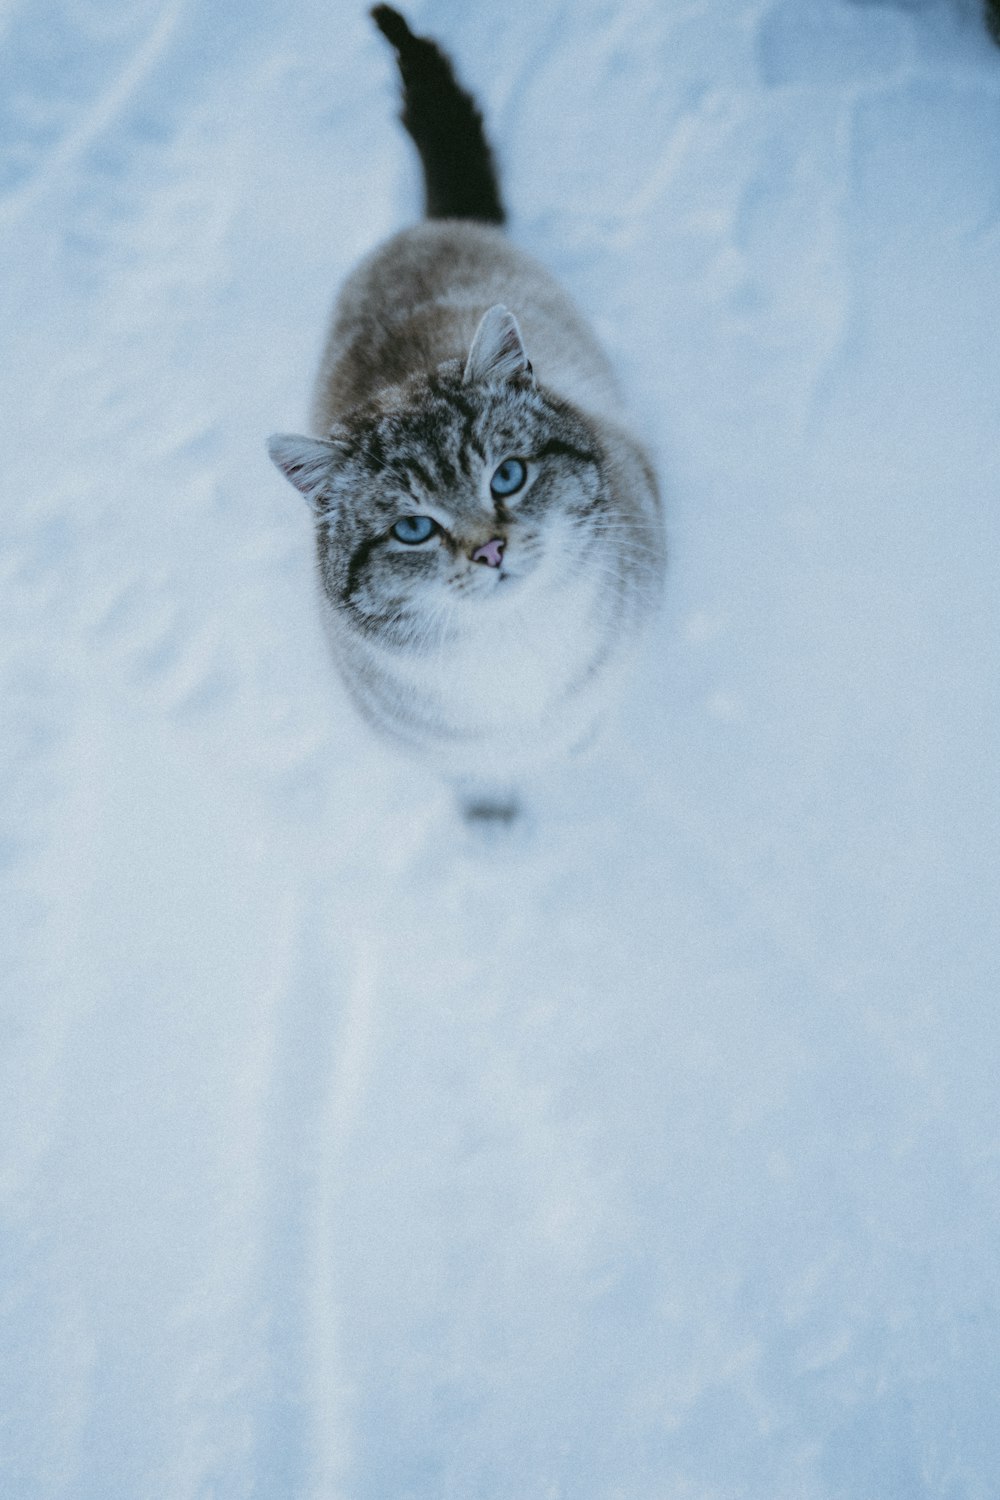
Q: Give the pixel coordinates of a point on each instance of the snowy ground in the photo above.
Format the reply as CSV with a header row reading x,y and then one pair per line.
x,y
655,1156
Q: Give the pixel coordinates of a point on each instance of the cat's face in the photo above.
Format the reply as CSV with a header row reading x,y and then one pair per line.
x,y
455,494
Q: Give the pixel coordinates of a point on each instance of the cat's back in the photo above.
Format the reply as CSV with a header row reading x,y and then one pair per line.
x,y
417,300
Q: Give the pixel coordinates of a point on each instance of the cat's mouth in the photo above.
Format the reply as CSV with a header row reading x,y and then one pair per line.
x,y
497,583
501,583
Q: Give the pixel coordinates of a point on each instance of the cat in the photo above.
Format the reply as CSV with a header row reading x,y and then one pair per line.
x,y
489,531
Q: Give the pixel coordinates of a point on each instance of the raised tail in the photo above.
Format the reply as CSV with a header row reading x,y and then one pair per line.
x,y
460,178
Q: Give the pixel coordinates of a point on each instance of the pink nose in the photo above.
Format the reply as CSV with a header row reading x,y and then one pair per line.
x,y
490,553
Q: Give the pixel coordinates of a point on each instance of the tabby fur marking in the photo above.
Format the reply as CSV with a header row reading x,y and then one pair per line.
x,y
488,529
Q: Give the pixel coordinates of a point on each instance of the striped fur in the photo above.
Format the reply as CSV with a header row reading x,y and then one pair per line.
x,y
426,386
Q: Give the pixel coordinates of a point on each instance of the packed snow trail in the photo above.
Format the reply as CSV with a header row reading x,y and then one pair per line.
x,y
655,1152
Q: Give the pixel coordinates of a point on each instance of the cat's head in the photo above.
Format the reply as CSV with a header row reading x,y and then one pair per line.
x,y
452,492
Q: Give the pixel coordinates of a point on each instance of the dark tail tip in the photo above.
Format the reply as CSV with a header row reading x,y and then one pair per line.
x,y
460,179
392,26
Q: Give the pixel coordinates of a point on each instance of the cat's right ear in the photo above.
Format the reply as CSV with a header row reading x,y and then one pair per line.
x,y
305,462
497,351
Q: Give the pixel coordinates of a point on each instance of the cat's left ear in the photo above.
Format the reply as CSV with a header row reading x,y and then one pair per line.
x,y
305,462
497,351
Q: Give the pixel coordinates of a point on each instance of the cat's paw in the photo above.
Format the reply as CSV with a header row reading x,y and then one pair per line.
x,y
487,810
492,819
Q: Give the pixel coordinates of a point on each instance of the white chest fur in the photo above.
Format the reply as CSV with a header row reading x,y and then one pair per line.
x,y
522,680
525,649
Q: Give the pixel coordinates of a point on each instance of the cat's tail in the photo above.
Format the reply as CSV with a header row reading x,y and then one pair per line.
x,y
993,19
460,178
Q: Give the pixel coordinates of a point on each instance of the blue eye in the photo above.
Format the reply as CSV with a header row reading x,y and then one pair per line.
x,y
509,477
414,529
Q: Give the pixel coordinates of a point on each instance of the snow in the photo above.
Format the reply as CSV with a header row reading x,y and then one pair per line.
x,y
653,1152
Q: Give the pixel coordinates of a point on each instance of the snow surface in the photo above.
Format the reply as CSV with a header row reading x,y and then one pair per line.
x,y
655,1154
